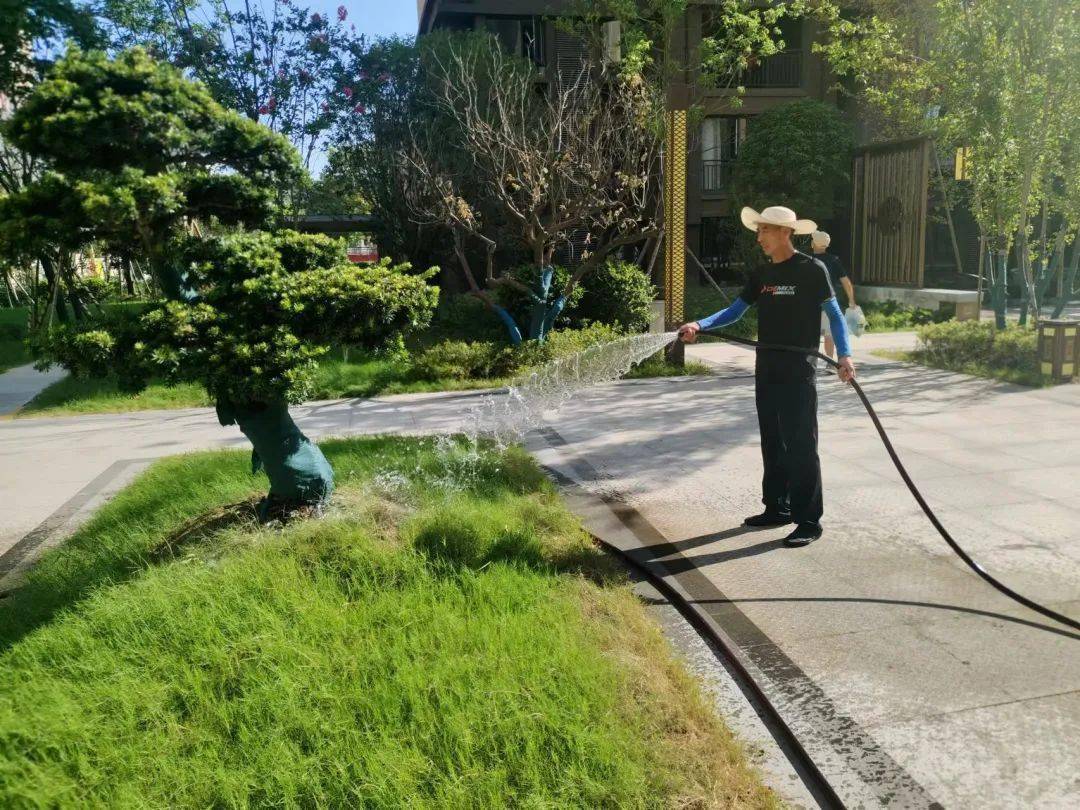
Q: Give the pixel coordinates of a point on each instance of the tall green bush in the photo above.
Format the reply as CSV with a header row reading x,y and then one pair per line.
x,y
798,155
618,294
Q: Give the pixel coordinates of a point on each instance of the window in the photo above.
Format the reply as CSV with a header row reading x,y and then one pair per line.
x,y
521,36
721,139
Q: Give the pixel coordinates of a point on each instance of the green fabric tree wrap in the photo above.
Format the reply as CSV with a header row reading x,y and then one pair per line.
x,y
298,471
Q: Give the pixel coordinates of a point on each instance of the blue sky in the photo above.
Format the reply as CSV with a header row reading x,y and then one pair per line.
x,y
374,17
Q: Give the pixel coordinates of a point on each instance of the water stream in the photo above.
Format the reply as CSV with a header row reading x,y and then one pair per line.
x,y
504,419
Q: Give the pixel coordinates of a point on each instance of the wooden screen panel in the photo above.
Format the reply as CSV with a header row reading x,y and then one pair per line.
x,y
889,199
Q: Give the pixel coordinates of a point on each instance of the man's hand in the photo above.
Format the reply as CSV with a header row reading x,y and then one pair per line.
x,y
688,332
845,370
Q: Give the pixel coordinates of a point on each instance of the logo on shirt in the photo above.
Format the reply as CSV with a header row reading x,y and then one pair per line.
x,y
778,289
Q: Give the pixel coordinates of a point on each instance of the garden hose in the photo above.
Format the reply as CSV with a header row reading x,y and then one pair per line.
x,y
963,555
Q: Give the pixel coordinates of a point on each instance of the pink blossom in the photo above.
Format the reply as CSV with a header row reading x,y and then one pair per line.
x,y
263,109
348,92
384,77
342,13
359,108
316,19
324,107
271,104
281,75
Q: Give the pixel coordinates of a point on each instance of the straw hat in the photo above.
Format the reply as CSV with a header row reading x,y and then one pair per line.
x,y
820,238
777,215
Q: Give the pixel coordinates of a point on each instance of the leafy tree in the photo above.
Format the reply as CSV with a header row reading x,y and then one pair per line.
x,y
798,155
27,24
996,77
365,160
141,159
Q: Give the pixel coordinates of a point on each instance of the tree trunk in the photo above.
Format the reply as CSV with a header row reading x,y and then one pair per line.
x,y
1000,290
1056,268
1025,272
12,296
1070,279
52,290
300,476
67,272
126,275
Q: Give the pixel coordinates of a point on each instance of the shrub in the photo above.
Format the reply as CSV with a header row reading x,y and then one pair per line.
x,y
563,342
477,360
618,294
457,360
976,345
465,317
886,316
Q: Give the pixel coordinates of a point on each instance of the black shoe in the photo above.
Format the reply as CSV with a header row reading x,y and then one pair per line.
x,y
770,517
804,535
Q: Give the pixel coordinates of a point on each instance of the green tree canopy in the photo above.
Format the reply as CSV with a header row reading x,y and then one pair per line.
x,y
995,77
798,155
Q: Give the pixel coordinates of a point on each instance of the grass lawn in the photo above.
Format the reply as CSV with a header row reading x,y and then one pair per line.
x,y
13,351
421,646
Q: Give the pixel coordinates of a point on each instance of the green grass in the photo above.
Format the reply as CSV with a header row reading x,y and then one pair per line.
x,y
13,350
374,376
79,396
420,646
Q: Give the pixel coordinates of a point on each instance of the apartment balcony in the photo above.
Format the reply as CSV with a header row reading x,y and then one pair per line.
x,y
783,69
716,176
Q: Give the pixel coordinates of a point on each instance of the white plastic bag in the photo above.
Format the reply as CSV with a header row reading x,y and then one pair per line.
x,y
856,321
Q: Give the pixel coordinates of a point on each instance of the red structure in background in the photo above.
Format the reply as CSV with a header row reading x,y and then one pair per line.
x,y
363,253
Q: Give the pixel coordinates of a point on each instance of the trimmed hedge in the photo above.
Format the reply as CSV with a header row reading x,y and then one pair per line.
x,y
976,347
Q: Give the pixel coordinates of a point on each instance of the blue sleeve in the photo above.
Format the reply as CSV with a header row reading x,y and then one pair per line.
x,y
725,317
839,328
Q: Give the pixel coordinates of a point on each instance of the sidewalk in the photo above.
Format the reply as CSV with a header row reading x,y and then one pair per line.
x,y
21,384
909,679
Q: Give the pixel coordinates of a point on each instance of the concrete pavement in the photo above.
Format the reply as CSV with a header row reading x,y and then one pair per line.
x,y
21,384
910,680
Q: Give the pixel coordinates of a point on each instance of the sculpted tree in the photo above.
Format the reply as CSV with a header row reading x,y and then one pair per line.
x,y
142,160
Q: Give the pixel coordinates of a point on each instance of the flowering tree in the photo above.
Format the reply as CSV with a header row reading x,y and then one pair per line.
x,y
285,67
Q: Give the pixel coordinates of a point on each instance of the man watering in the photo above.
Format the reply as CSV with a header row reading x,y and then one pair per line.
x,y
790,291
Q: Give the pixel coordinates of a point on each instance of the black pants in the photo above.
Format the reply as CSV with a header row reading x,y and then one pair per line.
x,y
787,418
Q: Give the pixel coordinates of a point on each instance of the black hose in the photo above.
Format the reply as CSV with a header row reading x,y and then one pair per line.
x,y
963,555
813,778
